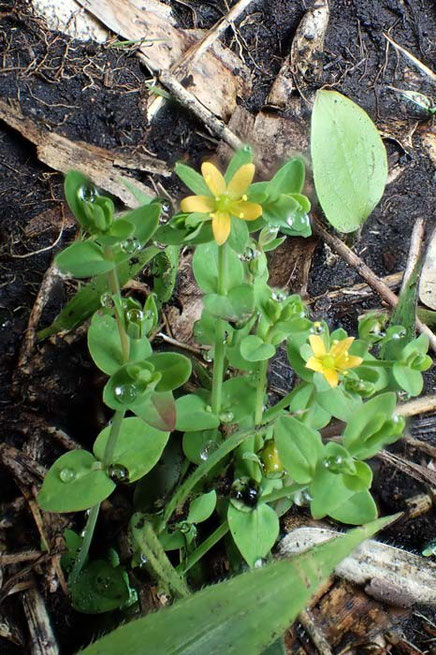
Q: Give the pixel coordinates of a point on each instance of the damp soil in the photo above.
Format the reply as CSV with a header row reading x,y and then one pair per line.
x,y
97,94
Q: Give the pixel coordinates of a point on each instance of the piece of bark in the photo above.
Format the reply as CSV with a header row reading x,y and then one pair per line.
x,y
290,264
349,620
42,639
303,67
106,168
209,80
389,574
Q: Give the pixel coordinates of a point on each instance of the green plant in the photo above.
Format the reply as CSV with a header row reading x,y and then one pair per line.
x,y
236,462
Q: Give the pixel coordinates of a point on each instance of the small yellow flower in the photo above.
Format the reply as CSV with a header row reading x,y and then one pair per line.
x,y
225,200
335,361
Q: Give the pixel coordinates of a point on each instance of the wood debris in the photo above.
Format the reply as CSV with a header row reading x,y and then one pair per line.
x,y
209,79
106,168
389,574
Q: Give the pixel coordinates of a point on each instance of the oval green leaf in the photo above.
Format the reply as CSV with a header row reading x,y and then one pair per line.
x,y
349,160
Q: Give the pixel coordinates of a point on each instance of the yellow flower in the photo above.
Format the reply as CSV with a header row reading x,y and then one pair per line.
x,y
333,362
225,200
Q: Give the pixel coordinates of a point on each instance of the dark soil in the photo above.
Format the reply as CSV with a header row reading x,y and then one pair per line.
x,y
65,84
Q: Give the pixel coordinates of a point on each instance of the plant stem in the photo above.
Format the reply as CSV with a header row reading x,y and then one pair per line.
x,y
86,543
261,384
117,420
113,437
220,347
150,546
203,548
114,286
201,471
285,492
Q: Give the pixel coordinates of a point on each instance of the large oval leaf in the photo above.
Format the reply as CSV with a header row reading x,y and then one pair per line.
x,y
349,160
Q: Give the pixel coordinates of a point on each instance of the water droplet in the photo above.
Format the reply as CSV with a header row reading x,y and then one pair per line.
x,y
244,493
130,246
102,583
135,315
317,328
106,301
302,498
67,475
249,254
118,473
334,463
185,527
208,448
207,356
87,192
290,221
226,417
278,295
126,393
143,560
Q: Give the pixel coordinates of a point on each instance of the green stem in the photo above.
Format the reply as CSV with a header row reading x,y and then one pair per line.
x,y
220,347
114,286
203,548
109,450
150,546
113,438
260,391
285,492
86,543
201,471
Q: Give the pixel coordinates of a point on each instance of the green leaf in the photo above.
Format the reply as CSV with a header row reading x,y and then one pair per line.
x,y
77,187
88,299
253,349
202,507
238,237
145,219
349,160
339,403
239,397
205,268
157,410
242,156
83,259
253,532
217,619
75,482
192,179
164,269
174,368
408,379
194,414
99,588
289,178
359,508
238,305
359,434
328,492
300,448
105,346
138,447
198,446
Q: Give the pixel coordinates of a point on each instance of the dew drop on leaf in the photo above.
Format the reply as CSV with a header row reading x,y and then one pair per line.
x,y
118,473
126,393
135,315
86,192
106,301
208,448
67,475
226,417
130,246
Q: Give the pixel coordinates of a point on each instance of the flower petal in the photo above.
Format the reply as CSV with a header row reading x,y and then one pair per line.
x,y
200,204
221,227
341,347
248,211
241,180
314,364
213,178
331,376
350,361
317,345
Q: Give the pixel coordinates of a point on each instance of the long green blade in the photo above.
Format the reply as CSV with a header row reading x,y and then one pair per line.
x,y
242,615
